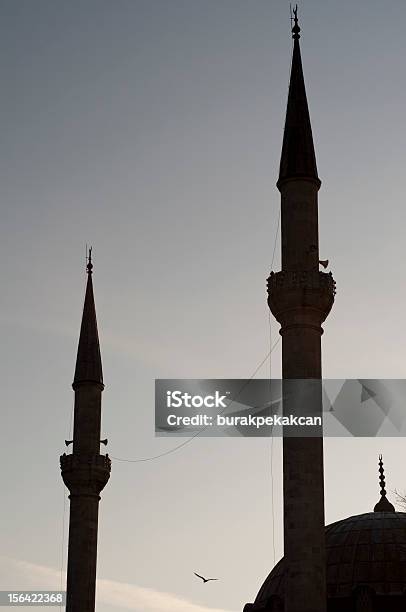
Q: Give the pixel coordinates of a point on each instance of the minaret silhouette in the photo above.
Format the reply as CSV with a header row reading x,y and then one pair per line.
x,y
300,297
85,472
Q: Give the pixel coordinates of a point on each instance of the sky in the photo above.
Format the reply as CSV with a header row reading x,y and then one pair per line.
x,y
152,130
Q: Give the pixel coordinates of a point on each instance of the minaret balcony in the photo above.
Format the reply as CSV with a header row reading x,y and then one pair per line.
x,y
85,474
301,297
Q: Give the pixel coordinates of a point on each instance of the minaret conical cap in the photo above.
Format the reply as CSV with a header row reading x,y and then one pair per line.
x,y
88,362
298,159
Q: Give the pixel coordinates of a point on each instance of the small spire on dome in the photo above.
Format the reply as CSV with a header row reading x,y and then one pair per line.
x,y
295,28
383,505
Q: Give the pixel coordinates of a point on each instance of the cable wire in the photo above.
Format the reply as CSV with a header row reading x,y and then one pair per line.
x,y
179,446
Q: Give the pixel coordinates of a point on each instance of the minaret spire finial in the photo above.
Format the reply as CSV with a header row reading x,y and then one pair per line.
x,y
89,266
383,505
296,28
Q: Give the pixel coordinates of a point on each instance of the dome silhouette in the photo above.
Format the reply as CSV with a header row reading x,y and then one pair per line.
x,y
365,557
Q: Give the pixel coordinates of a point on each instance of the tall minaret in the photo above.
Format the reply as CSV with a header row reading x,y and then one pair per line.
x,y
300,297
85,472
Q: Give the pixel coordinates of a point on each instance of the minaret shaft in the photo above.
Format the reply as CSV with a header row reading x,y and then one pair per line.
x,y
85,472
87,420
299,225
303,484
300,297
82,558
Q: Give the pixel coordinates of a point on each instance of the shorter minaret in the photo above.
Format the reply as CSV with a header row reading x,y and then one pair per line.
x,y
85,472
384,504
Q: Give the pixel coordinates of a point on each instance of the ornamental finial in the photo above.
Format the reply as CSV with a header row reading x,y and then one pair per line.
x,y
89,266
382,476
295,28
383,505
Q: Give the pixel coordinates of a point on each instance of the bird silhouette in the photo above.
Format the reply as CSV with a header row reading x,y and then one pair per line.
x,y
204,579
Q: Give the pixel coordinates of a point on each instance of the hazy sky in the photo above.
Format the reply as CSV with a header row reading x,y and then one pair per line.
x,y
152,130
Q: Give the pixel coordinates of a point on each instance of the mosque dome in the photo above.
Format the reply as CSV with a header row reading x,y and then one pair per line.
x,y
365,564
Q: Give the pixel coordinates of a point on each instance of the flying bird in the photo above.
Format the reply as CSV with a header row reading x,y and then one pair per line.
x,y
204,579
